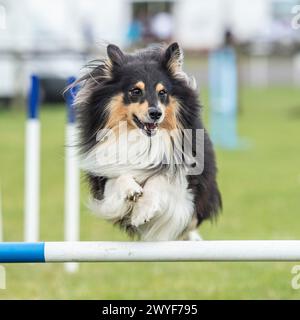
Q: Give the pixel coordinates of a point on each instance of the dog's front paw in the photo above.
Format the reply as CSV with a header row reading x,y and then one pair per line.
x,y
130,189
143,213
135,194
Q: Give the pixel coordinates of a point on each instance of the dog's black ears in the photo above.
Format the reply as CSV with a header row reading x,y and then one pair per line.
x,y
115,55
173,58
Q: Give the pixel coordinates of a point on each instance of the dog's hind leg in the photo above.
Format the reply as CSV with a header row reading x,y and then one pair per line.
x,y
119,195
194,235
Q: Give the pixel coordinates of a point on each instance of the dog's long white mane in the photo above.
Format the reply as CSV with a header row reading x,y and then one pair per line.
x,y
132,152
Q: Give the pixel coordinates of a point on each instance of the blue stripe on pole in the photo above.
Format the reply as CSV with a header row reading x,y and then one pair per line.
x,y
33,98
22,252
71,94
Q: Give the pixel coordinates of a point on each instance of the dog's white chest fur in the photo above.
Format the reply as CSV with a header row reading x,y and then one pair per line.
x,y
160,209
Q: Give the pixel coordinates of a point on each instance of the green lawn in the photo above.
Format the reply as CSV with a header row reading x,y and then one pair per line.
x,y
261,194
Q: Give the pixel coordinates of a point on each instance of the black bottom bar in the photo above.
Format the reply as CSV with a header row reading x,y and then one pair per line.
x,y
170,309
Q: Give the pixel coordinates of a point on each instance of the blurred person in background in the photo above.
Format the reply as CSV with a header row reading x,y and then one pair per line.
x,y
162,26
135,30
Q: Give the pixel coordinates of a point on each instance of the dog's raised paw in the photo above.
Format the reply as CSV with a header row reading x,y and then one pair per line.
x,y
134,195
133,191
129,188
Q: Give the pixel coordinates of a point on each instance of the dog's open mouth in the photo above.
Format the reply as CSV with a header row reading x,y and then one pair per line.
x,y
149,128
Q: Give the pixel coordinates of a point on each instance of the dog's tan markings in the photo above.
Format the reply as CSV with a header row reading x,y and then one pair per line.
x,y
117,112
138,109
174,66
159,87
170,121
176,61
140,85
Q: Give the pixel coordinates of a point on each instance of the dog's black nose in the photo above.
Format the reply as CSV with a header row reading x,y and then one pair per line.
x,y
155,113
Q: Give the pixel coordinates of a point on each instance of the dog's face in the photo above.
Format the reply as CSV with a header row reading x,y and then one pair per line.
x,y
143,90
146,99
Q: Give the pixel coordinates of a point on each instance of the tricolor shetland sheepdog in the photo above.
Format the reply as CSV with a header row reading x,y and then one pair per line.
x,y
149,161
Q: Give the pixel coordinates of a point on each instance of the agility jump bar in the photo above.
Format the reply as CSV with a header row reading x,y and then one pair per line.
x,y
233,250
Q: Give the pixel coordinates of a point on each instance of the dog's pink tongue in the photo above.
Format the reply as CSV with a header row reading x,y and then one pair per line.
x,y
151,126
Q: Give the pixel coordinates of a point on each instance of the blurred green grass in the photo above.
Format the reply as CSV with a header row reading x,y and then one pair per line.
x,y
261,194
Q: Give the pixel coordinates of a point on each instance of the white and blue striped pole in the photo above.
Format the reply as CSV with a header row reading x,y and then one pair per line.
x,y
32,165
72,176
234,250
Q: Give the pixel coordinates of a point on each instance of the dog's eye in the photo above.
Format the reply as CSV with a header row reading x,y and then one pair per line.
x,y
162,93
136,92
